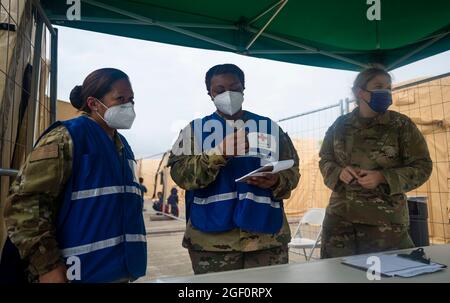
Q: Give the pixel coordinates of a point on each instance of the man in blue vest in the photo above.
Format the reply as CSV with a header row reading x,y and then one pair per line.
x,y
232,224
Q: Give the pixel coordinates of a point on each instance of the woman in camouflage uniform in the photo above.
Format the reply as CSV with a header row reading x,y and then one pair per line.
x,y
235,248
43,203
370,158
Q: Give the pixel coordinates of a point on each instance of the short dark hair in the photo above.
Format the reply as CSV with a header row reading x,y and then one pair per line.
x,y
224,69
141,179
97,84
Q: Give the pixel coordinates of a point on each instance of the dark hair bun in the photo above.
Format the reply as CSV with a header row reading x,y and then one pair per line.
x,y
75,97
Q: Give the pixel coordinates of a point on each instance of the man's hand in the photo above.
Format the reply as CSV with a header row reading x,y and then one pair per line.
x,y
57,275
349,174
267,181
370,179
234,144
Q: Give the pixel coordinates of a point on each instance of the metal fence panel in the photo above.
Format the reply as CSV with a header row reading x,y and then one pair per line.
x,y
27,82
427,103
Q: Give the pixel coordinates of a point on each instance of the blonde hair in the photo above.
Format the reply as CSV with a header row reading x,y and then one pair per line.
x,y
368,74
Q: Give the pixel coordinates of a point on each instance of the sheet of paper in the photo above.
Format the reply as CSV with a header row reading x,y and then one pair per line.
x,y
269,168
393,265
282,165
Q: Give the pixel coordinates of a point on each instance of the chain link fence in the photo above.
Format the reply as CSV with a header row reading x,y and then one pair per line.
x,y
427,103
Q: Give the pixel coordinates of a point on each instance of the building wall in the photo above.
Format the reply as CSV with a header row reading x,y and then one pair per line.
x,y
65,111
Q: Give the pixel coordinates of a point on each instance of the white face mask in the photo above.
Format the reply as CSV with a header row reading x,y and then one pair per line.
x,y
229,102
119,116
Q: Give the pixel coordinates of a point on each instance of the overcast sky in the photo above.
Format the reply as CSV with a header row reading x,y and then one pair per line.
x,y
168,82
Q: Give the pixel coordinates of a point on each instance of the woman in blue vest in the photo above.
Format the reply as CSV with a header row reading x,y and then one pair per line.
x,y
75,210
233,224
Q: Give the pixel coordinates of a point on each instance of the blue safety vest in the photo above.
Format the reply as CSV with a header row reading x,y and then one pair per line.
x,y
225,204
100,221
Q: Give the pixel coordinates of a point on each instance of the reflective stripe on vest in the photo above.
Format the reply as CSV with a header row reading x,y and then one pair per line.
x,y
233,195
96,192
259,199
87,248
215,198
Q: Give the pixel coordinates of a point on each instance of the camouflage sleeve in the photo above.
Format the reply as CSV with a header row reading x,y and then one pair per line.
x,y
34,201
328,167
190,170
288,178
417,164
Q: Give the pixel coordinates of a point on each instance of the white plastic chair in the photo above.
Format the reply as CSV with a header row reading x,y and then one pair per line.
x,y
313,216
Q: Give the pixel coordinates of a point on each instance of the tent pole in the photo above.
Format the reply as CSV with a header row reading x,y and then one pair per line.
x,y
8,172
217,42
58,18
265,12
266,25
292,52
53,75
32,104
43,15
303,46
420,48
160,24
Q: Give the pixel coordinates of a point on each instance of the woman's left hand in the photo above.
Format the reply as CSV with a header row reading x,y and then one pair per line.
x,y
266,181
370,179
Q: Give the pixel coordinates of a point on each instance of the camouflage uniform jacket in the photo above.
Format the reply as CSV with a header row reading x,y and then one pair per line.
x,y
390,143
196,171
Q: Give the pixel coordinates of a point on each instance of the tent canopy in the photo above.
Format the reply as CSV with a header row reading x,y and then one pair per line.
x,y
327,33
